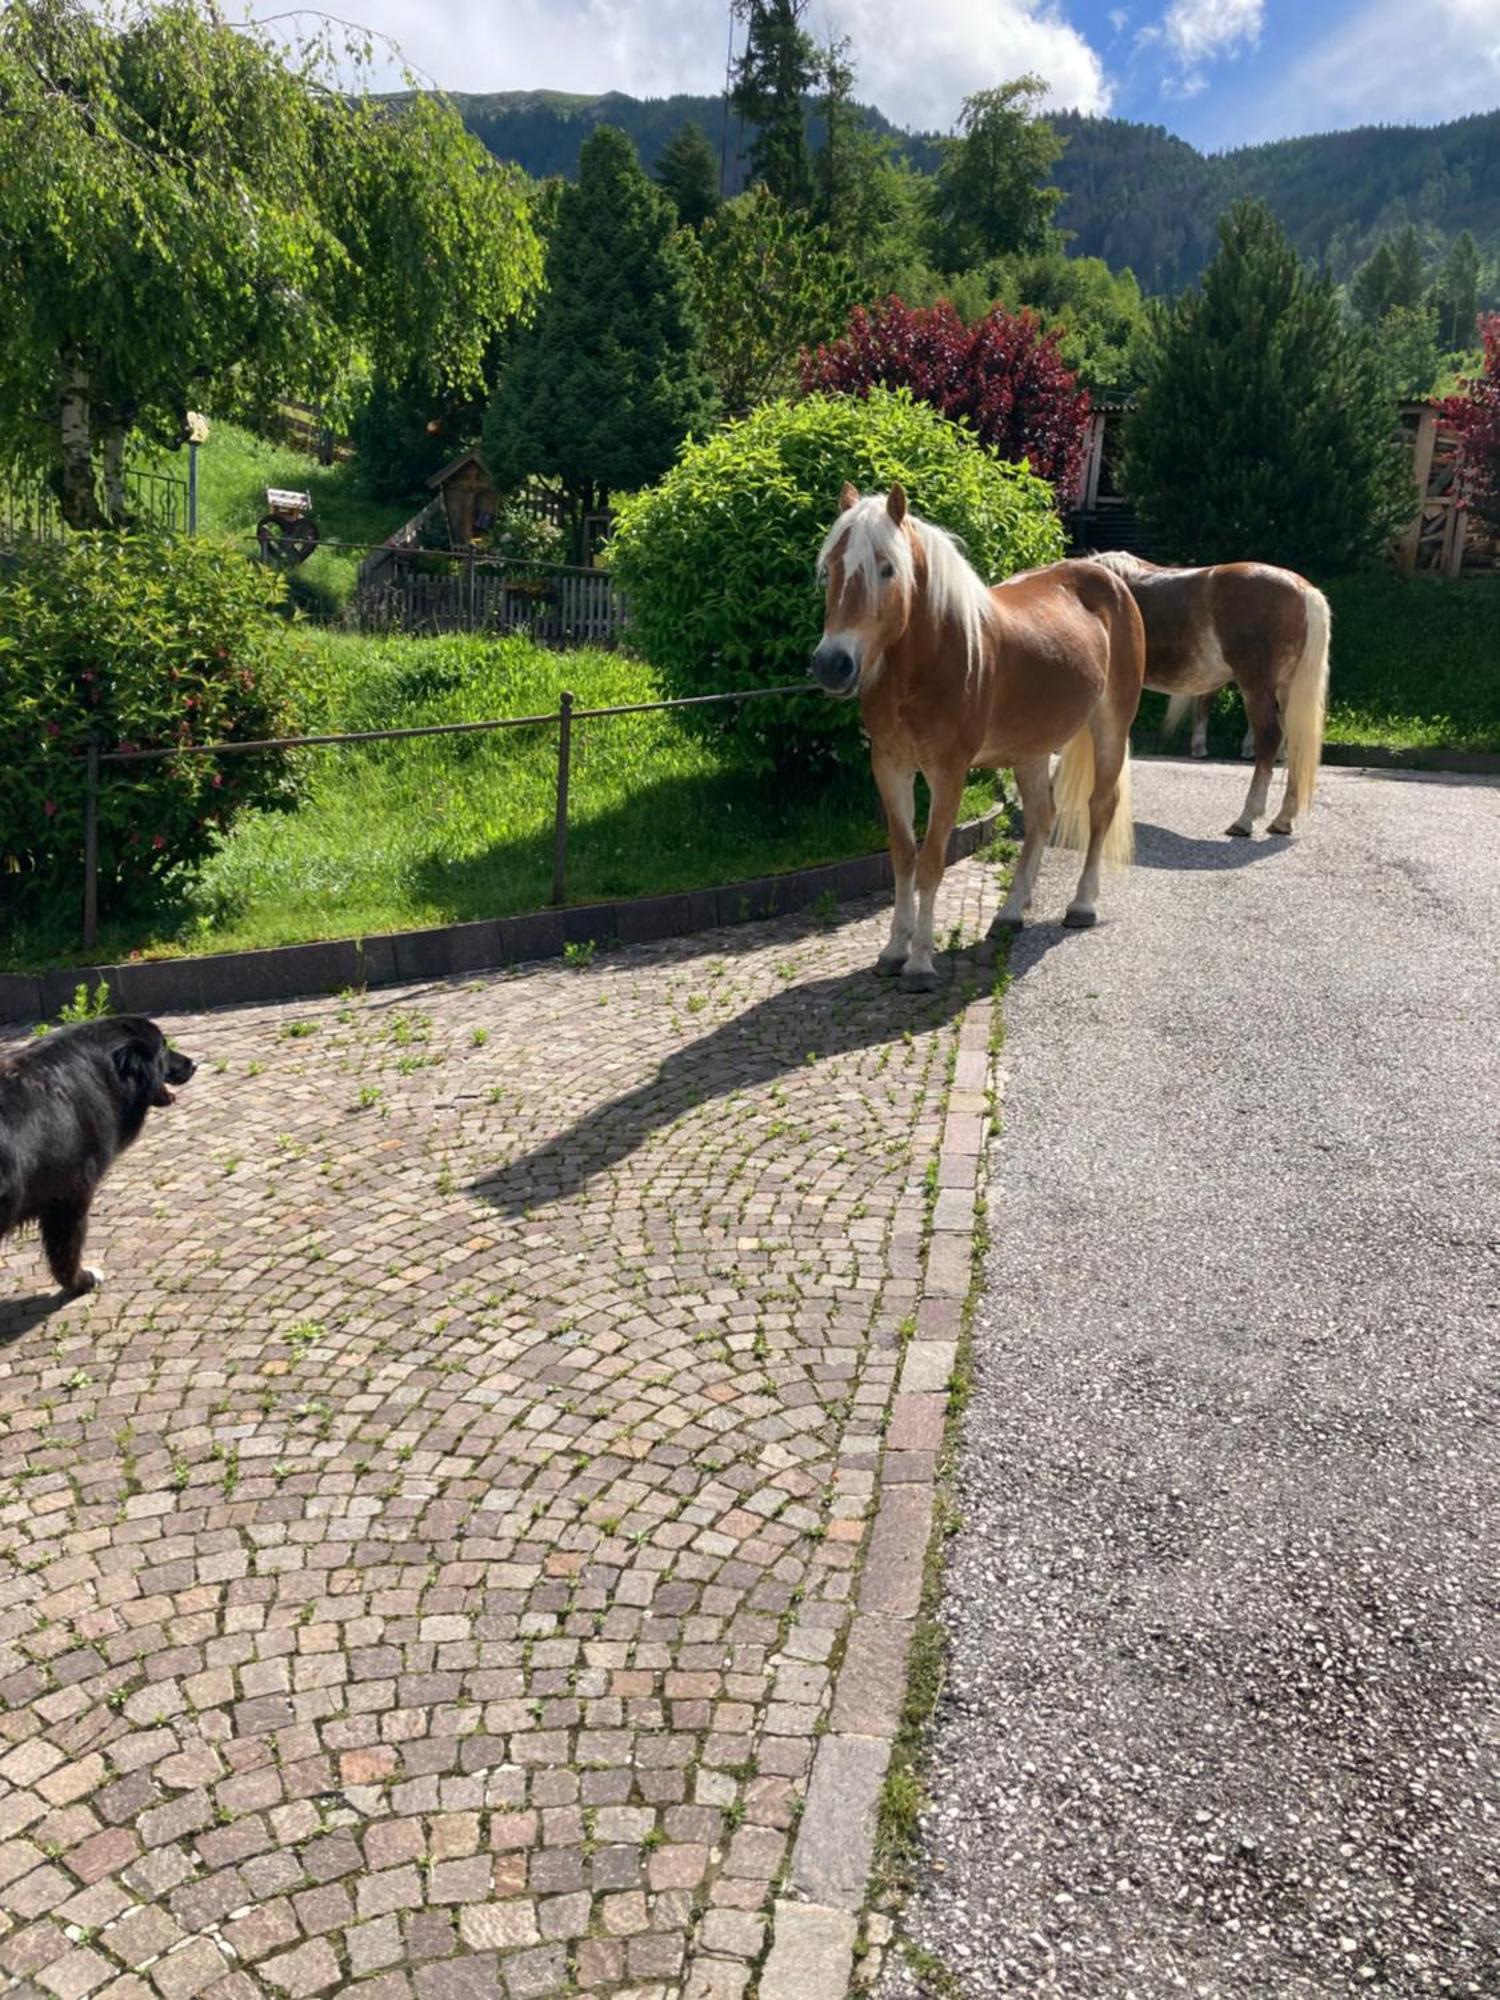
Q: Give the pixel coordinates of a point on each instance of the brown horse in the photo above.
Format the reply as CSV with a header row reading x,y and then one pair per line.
x,y
1264,629
952,675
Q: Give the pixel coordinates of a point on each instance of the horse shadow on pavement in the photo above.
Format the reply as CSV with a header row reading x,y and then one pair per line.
x,y
810,1020
1217,854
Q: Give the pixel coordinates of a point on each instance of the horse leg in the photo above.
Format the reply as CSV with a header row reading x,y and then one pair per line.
x,y
1202,707
1265,729
1108,796
947,787
897,785
1035,782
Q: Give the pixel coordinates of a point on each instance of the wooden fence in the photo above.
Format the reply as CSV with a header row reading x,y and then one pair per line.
x,y
558,607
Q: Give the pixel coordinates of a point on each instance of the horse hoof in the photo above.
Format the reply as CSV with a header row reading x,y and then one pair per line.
x,y
919,982
1080,920
1281,826
887,968
1004,927
1238,832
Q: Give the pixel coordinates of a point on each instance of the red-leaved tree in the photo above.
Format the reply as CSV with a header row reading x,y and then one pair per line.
x,y
1003,375
1475,415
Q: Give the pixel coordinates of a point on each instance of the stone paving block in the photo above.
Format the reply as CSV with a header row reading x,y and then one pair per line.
x,y
891,1585
422,1624
927,1367
872,1680
949,1267
812,1953
836,1836
917,1423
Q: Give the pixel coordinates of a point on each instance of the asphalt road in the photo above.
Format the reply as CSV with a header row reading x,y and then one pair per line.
x,y
1222,1714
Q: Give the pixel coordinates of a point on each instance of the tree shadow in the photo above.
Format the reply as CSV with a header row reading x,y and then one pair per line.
x,y
1216,854
816,1018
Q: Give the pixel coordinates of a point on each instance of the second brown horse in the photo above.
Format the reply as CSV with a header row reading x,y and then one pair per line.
x,y
1265,629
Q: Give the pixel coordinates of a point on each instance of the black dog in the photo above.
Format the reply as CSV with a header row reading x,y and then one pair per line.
x,y
68,1104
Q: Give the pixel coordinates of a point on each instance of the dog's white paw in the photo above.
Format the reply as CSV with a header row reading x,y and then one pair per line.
x,y
89,1279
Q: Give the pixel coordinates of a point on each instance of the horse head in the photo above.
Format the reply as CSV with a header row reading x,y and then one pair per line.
x,y
868,566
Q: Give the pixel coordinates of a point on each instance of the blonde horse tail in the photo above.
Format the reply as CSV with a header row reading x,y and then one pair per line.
x,y
1179,706
1306,700
1119,841
1072,791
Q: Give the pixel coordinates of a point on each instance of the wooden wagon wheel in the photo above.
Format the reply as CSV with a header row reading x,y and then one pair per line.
x,y
283,543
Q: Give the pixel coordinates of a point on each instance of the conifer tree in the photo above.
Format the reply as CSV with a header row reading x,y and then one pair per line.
x,y
1373,288
776,69
1264,424
1406,270
1456,294
608,381
689,174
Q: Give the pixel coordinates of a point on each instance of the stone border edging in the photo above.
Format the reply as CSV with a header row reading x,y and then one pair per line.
x,y
295,971
815,1926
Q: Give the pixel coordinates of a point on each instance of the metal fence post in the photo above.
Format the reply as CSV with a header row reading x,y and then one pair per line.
x,y
91,848
560,824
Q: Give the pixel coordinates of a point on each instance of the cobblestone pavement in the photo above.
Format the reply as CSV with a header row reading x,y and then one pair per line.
x,y
422,1565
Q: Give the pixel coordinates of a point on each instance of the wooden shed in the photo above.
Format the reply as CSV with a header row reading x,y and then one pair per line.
x,y
468,495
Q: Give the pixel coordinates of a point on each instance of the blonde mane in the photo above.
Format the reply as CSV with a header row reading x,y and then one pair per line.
x,y
1121,563
955,590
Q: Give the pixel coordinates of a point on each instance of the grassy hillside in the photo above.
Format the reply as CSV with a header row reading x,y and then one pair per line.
x,y
235,468
393,835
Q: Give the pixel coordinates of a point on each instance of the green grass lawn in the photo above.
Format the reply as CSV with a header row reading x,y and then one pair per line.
x,y
405,835
234,469
1414,666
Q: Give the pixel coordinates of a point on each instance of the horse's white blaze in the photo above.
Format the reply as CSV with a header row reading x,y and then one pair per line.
x,y
869,542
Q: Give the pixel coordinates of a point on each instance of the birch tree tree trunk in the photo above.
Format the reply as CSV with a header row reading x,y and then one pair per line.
x,y
80,500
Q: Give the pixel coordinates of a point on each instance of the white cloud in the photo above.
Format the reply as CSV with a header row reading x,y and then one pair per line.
x,y
1199,30
1370,70
916,63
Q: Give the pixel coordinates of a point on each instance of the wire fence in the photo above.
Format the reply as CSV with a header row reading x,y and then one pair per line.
x,y
562,719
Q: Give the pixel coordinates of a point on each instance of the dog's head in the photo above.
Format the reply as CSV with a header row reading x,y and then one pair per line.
x,y
146,1067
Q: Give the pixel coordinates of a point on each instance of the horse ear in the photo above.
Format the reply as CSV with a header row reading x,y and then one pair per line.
x,y
895,504
848,497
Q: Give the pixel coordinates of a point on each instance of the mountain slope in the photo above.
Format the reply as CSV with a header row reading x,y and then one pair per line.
x,y
1136,195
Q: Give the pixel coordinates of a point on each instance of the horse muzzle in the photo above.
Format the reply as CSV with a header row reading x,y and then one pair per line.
x,y
835,667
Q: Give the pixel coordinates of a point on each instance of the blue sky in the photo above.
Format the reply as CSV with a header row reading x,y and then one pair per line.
x,y
1231,72
1219,72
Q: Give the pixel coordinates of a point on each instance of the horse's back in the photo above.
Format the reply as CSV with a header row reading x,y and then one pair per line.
x,y
1209,625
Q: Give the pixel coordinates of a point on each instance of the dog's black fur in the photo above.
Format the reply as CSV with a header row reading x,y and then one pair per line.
x,y
69,1104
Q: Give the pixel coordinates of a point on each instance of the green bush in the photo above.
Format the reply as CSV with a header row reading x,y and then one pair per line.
x,y
718,560
142,643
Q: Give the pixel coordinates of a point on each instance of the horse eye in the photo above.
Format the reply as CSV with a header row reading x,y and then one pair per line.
x,y
887,570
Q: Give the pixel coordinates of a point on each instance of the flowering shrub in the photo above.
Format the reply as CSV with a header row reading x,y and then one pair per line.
x,y
141,643
1004,376
1475,415
718,560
